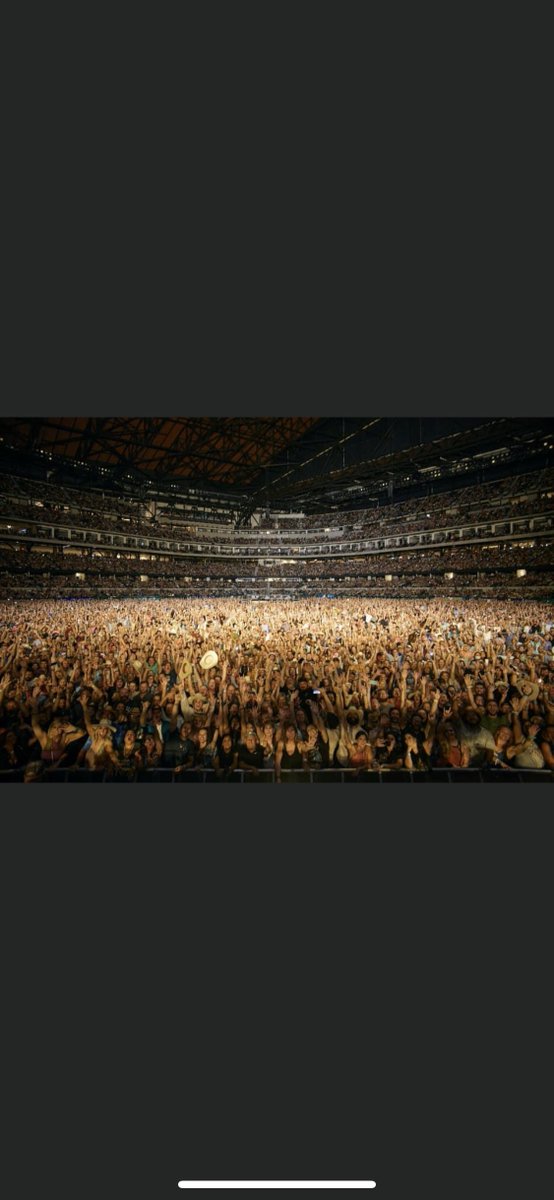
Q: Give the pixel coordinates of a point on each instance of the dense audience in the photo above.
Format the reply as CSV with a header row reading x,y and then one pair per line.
x,y
475,568
103,674
119,687
37,508
475,557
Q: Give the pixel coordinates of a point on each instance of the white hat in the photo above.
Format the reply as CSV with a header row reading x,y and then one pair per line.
x,y
529,689
209,660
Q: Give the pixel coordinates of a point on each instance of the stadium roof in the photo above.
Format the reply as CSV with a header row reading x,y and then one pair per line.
x,y
312,461
216,450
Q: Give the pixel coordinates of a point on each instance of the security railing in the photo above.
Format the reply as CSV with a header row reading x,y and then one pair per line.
x,y
322,775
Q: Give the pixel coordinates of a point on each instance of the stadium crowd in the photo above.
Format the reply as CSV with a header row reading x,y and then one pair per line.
x,y
476,569
477,557
36,507
124,687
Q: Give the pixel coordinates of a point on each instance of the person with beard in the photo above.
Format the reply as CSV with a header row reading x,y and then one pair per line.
x,y
396,723
159,724
352,721
494,719
305,694
416,726
477,741
419,737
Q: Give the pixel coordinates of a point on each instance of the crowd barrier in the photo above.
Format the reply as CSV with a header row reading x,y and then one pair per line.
x,y
325,775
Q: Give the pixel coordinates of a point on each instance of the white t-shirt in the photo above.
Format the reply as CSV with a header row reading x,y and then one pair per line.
x,y
530,759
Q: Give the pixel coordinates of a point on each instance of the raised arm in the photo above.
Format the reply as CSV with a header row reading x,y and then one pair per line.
x,y
88,724
547,755
38,732
318,721
278,761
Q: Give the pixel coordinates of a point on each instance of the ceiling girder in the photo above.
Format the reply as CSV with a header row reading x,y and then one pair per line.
x,y
268,458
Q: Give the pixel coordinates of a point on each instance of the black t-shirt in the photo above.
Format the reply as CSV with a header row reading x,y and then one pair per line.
x,y
204,757
177,750
128,762
12,760
10,720
77,713
251,758
226,757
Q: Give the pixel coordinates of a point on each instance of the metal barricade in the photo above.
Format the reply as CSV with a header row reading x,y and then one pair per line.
x,y
343,775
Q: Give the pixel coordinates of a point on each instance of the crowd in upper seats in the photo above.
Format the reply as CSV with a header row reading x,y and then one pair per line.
x,y
486,557
42,504
463,557
261,562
